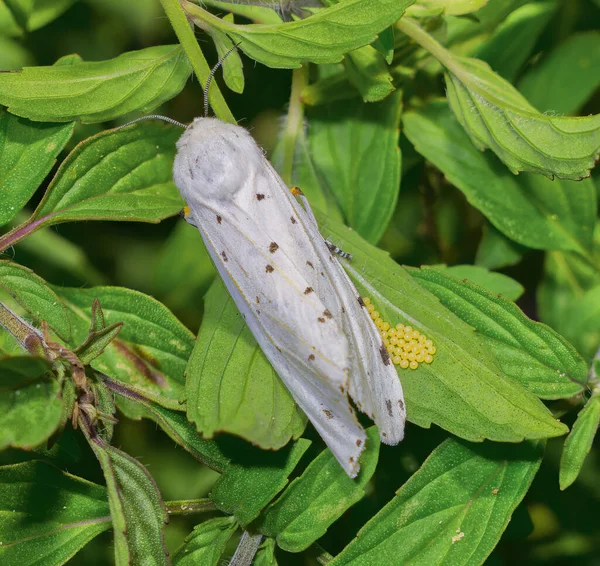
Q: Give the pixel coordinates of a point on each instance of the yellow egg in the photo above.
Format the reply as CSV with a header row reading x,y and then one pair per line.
x,y
422,338
400,327
420,358
411,356
366,300
428,343
408,329
386,326
374,314
428,358
413,365
431,350
404,364
396,360
398,351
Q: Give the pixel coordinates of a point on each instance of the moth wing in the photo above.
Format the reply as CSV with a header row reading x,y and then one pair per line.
x,y
374,383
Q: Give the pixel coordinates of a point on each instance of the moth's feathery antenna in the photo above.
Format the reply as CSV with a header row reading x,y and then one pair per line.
x,y
212,74
154,117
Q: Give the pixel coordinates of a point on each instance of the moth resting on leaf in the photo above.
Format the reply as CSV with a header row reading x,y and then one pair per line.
x,y
290,287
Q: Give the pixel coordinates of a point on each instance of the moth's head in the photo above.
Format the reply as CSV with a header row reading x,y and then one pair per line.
x,y
214,159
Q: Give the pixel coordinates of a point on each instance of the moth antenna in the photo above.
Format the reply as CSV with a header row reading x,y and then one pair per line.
x,y
154,117
212,74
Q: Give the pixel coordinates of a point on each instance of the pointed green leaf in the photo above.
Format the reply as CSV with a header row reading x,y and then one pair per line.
x,y
28,152
138,513
47,515
96,91
254,478
176,425
530,352
30,412
496,250
233,71
34,14
121,174
323,37
564,80
266,554
508,49
463,390
581,323
529,209
496,116
319,497
368,72
231,386
454,7
495,283
255,13
385,44
431,522
355,149
16,371
34,295
206,543
153,347
579,442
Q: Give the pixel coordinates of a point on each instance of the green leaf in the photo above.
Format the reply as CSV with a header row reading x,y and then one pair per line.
x,y
182,258
99,337
106,408
564,80
121,174
47,515
34,14
153,347
176,425
529,352
432,522
231,386
206,543
254,478
579,442
496,116
324,37
28,152
34,295
368,72
581,324
266,554
463,390
355,149
18,370
495,283
257,14
319,497
138,513
454,7
96,91
233,71
512,42
385,44
496,251
29,413
529,209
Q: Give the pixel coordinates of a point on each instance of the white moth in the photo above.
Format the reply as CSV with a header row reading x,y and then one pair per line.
x,y
292,291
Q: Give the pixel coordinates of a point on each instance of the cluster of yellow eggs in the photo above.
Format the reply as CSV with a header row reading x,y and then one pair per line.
x,y
407,347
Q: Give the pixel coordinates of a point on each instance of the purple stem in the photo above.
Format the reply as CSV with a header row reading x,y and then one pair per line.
x,y
11,238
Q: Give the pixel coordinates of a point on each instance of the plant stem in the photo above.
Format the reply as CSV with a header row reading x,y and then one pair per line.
x,y
247,547
29,337
185,33
189,506
425,40
16,234
293,124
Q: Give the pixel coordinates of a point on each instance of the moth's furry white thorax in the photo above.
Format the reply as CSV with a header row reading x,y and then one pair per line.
x,y
214,160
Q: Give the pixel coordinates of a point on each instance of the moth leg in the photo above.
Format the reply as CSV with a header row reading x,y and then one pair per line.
x,y
185,213
338,251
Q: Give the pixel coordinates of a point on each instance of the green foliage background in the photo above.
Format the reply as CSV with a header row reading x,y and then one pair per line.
x,y
330,128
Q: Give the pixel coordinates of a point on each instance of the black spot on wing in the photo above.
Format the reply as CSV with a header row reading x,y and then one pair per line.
x,y
328,413
259,196
310,264
388,406
219,219
384,354
361,302
273,247
401,404
311,357
293,220
358,442
327,314
308,290
224,256
269,268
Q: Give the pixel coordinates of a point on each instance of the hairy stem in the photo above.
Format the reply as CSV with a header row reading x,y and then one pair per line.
x,y
29,337
174,9
425,40
247,547
16,234
190,506
293,124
